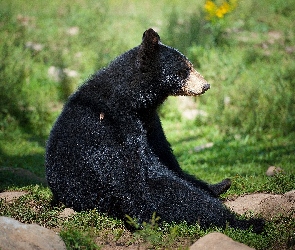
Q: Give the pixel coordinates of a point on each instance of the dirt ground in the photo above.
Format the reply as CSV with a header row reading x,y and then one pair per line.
x,y
266,205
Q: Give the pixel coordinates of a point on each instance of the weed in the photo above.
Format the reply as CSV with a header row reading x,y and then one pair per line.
x,y
33,208
280,183
161,235
76,239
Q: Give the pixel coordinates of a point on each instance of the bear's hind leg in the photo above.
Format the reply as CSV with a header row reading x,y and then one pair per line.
x,y
176,200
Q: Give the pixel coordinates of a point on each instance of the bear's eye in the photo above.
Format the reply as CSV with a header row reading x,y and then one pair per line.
x,y
183,73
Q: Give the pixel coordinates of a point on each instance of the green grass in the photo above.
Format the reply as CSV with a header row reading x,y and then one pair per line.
x,y
240,158
248,58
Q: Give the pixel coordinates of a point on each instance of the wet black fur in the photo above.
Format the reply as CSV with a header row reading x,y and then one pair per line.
x,y
107,150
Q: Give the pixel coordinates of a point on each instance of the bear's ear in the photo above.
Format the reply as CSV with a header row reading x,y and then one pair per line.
x,y
148,49
150,39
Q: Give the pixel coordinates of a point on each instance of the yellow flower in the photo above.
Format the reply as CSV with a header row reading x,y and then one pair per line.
x,y
212,10
222,10
210,6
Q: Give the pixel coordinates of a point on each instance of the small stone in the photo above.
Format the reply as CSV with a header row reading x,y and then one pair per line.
x,y
204,146
58,74
218,241
70,72
36,47
55,73
67,212
73,31
272,170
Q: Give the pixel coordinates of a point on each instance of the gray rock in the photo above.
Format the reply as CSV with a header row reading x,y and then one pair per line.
x,y
218,241
67,212
272,170
20,236
204,146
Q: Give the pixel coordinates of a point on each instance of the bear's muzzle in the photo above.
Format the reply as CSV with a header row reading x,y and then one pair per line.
x,y
194,85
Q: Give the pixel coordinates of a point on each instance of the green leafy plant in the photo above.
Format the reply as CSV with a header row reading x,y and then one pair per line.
x,y
76,239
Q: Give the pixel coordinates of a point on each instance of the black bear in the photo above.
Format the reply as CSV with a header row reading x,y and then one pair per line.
x,y
107,150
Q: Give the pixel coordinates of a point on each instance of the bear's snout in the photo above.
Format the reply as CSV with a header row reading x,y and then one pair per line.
x,y
195,84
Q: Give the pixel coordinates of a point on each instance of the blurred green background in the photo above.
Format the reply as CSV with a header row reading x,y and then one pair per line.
x,y
245,49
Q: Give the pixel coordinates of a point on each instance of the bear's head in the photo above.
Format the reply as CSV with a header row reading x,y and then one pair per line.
x,y
168,68
143,77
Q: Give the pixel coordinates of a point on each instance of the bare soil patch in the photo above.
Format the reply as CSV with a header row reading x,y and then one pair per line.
x,y
12,195
266,205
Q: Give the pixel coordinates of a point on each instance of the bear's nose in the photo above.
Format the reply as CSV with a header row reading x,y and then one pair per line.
x,y
206,87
